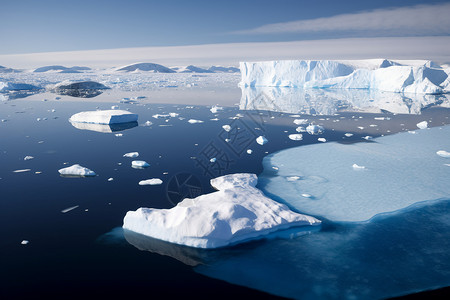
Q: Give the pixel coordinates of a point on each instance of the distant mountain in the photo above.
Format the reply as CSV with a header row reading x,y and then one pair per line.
x,y
7,70
190,69
148,67
60,69
220,69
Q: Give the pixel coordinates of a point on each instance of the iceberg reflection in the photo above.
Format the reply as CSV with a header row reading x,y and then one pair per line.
x,y
317,101
104,128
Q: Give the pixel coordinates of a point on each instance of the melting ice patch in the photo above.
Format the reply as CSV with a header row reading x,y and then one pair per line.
x,y
399,171
236,212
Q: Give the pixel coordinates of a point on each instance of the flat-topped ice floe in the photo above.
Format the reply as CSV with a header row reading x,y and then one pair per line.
x,y
76,171
113,116
389,175
382,75
235,213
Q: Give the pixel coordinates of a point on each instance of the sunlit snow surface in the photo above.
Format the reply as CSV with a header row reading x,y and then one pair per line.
x,y
399,170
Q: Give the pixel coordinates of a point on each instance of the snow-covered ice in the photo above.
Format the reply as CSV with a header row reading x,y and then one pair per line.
x,y
422,125
235,213
314,129
139,164
400,170
152,181
104,117
76,170
261,140
193,121
296,137
131,154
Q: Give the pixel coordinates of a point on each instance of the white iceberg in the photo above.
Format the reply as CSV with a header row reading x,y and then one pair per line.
x,y
261,140
152,181
236,212
76,170
139,164
422,125
402,170
104,117
357,74
296,137
131,154
193,121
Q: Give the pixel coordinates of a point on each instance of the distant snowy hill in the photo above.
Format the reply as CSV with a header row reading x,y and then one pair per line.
x,y
148,67
7,70
190,69
220,69
60,69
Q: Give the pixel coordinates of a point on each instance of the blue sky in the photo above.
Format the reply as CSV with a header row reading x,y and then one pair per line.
x,y
46,25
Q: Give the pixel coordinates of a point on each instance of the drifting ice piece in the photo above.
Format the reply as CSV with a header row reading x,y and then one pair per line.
x,y
139,164
76,170
400,170
236,212
112,116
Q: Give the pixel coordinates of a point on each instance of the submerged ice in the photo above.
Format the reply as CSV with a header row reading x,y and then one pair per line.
x,y
236,212
388,175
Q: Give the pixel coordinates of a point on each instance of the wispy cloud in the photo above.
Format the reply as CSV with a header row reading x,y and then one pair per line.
x,y
406,21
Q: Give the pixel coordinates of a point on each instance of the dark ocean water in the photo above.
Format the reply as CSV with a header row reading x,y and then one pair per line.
x,y
84,252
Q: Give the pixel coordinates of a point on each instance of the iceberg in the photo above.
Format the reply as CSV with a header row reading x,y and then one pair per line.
x,y
359,74
76,171
147,67
152,181
10,86
139,164
81,89
112,116
235,213
400,171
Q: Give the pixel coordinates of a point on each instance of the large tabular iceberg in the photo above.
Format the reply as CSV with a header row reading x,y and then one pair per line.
x,y
104,117
381,75
236,212
399,170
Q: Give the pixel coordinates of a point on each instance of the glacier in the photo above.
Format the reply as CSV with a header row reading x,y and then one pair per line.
x,y
236,212
400,170
376,74
112,116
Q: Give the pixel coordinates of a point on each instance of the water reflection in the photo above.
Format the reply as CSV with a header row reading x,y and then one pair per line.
x,y
80,93
331,101
104,128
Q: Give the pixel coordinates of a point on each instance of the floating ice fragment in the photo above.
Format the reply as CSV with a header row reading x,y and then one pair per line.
x,y
443,153
69,209
422,125
292,178
213,160
173,115
296,137
193,121
367,137
235,213
21,171
215,109
261,140
323,140
28,157
300,121
104,117
157,116
24,242
249,151
314,129
139,164
348,134
227,128
300,129
114,107
307,195
357,167
147,123
360,127
110,179
153,181
131,154
119,134
76,170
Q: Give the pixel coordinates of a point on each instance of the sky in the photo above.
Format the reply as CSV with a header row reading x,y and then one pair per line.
x,y
29,26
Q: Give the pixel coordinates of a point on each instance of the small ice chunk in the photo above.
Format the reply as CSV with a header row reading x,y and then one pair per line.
x,y
443,153
69,209
323,140
152,181
139,164
292,178
422,125
173,115
114,107
249,151
213,160
28,157
215,109
261,140
367,137
300,121
348,134
314,129
148,123
357,167
157,116
131,154
76,170
300,129
110,179
227,128
119,134
193,121
306,195
24,242
21,171
296,137
360,127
